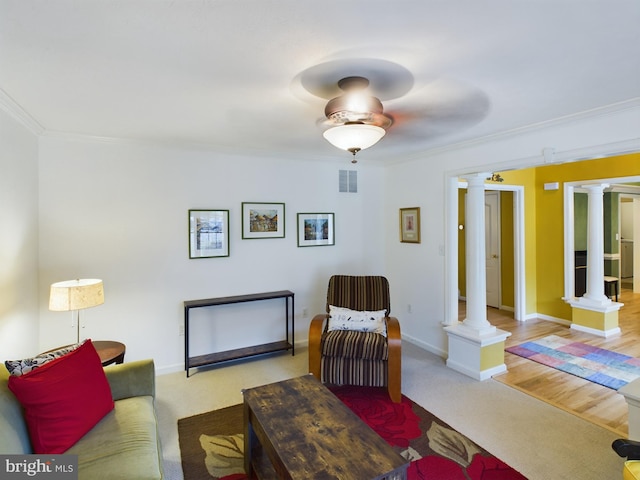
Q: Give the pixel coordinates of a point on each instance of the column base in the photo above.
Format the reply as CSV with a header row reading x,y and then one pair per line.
x,y
596,318
631,393
479,355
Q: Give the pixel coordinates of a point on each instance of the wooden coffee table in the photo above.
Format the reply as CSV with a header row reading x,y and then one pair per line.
x,y
298,429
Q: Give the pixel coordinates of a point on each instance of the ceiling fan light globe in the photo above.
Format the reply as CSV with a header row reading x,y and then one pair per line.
x,y
354,136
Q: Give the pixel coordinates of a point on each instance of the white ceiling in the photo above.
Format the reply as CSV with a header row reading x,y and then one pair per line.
x,y
241,74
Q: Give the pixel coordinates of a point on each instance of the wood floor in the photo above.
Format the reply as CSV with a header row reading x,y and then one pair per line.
x,y
597,404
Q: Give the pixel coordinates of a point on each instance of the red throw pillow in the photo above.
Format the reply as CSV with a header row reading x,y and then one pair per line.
x,y
63,399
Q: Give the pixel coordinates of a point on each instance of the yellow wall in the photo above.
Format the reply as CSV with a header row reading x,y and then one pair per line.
x,y
506,249
549,223
462,272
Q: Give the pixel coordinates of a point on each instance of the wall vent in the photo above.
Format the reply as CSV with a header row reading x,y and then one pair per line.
x,y
348,181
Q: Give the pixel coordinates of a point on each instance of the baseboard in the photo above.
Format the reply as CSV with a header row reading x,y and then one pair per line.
x,y
179,367
425,346
549,318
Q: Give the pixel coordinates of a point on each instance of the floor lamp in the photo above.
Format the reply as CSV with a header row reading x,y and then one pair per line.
x,y
75,295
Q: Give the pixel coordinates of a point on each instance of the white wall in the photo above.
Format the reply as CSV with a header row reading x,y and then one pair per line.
x,y
118,211
18,239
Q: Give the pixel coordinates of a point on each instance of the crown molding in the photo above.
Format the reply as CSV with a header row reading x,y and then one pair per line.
x,y
585,115
187,146
14,109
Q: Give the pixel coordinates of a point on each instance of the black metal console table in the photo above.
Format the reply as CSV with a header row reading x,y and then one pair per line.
x,y
218,357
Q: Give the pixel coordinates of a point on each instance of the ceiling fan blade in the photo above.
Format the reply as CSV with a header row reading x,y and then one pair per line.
x,y
387,80
440,107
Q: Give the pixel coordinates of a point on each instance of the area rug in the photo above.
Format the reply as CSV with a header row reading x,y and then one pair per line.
x,y
211,444
604,367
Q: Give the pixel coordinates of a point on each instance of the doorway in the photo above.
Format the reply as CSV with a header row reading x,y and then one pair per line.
x,y
507,230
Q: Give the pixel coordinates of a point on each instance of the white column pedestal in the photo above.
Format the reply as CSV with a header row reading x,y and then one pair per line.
x,y
631,393
477,354
597,317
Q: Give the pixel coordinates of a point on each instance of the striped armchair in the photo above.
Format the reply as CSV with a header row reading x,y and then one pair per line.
x,y
346,357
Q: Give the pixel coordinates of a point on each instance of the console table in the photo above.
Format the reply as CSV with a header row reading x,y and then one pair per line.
x,y
212,358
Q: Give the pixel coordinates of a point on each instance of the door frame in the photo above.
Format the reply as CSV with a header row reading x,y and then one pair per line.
x,y
569,189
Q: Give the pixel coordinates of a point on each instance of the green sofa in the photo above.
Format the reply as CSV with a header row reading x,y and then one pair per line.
x,y
125,444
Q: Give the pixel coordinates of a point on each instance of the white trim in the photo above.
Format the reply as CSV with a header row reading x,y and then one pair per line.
x,y
574,155
424,346
477,338
451,229
451,290
569,235
12,107
549,318
569,242
604,306
476,375
593,331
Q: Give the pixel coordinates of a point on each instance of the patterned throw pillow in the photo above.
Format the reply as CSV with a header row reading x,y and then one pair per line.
x,y
361,321
20,367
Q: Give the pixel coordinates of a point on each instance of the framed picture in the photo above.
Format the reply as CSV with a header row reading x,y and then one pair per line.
x,y
262,220
410,225
316,229
208,233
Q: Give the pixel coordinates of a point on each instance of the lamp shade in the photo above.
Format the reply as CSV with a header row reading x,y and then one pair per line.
x,y
354,136
76,294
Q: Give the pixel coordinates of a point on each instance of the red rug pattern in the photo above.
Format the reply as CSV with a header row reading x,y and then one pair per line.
x,y
211,444
444,453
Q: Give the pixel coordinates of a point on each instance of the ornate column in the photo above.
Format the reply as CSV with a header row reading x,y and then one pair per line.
x,y
595,245
475,256
594,312
476,348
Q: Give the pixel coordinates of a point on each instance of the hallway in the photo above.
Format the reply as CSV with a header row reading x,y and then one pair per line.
x,y
597,404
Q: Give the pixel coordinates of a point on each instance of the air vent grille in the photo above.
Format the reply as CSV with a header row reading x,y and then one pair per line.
x,y
348,181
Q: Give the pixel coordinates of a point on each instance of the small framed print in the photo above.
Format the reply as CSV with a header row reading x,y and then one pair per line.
x,y
262,220
410,225
316,229
208,233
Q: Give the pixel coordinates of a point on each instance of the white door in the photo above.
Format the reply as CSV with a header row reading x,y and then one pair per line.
x,y
492,246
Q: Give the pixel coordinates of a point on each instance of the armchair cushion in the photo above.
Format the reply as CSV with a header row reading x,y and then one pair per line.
x,y
341,318
352,344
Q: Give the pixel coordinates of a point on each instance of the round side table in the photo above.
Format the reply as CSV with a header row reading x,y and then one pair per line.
x,y
110,351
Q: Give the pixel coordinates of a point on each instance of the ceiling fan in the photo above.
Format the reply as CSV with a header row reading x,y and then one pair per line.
x,y
356,119
357,87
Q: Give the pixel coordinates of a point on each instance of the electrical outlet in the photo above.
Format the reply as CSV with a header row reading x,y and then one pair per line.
x,y
304,313
408,308
181,330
